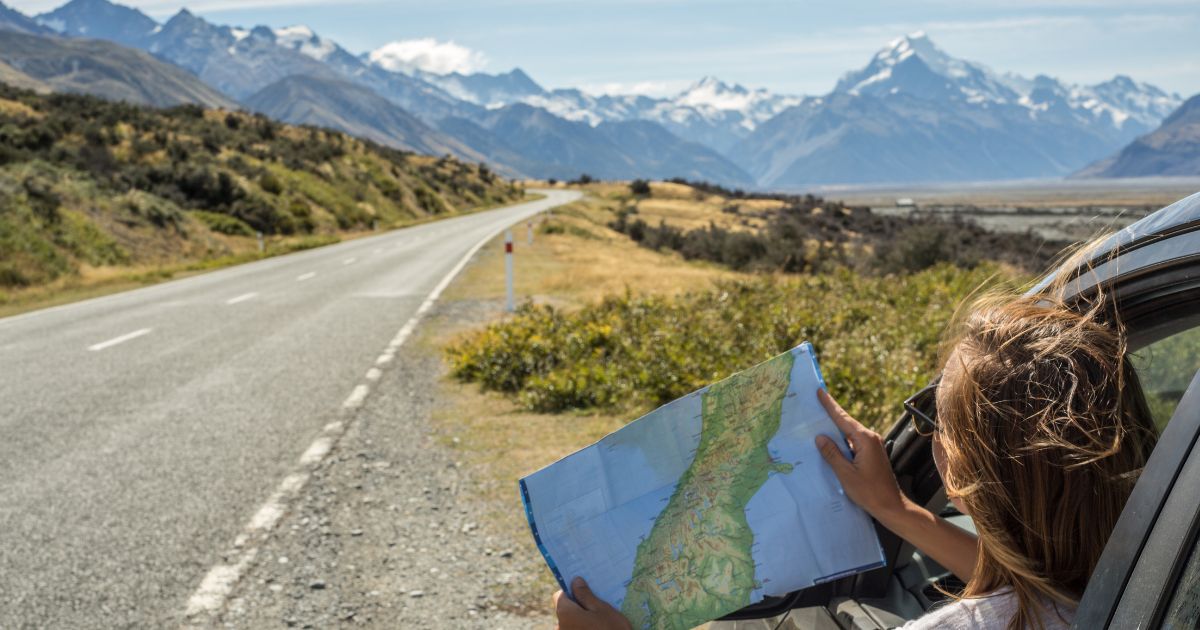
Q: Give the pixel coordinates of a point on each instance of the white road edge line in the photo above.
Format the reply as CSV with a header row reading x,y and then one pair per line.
x,y
308,276
214,590
242,298
122,339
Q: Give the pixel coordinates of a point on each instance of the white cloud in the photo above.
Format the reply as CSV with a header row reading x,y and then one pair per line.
x,y
428,54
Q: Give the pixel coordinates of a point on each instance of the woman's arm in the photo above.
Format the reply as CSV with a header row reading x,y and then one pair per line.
x,y
869,482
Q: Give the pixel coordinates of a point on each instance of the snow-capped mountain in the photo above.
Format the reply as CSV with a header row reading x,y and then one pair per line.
x,y
486,90
711,95
914,66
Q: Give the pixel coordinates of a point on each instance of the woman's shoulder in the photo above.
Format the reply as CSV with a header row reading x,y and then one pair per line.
x,y
989,612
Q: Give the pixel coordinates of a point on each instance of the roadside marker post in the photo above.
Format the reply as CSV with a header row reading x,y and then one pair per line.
x,y
529,226
508,270
260,242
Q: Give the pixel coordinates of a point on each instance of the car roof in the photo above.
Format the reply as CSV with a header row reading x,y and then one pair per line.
x,y
1181,213
1164,222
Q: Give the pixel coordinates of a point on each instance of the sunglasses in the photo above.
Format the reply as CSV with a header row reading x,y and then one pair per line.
x,y
915,407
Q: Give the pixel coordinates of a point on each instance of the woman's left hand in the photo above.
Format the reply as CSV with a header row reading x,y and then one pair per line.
x,y
589,613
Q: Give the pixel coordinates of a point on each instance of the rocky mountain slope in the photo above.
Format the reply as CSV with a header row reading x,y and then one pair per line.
x,y
101,68
1171,150
351,108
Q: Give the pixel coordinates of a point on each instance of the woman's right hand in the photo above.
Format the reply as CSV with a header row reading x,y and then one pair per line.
x,y
867,479
586,611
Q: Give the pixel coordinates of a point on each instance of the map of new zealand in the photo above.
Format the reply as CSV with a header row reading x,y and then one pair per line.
x,y
706,505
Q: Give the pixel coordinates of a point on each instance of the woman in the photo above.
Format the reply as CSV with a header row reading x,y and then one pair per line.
x,y
1041,432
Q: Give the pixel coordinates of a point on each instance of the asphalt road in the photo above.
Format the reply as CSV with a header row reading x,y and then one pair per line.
x,y
140,431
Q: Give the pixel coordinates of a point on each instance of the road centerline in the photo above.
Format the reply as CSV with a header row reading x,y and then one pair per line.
x,y
242,298
103,345
308,276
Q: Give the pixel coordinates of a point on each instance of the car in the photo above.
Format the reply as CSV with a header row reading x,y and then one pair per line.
x,y
1149,573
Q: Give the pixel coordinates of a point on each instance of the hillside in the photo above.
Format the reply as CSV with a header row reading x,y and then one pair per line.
x,y
1171,150
353,109
88,183
100,68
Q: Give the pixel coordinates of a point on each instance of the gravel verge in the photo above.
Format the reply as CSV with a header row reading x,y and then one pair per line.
x,y
387,533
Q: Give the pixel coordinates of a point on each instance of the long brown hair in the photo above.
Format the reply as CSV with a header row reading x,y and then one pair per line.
x,y
1044,429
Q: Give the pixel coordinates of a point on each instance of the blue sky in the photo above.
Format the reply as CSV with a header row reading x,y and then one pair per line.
x,y
786,46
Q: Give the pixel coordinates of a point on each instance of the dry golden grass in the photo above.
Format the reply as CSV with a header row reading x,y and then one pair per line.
x,y
19,110
581,265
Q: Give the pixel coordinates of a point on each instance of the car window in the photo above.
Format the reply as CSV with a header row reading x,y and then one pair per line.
x,y
1166,368
1183,609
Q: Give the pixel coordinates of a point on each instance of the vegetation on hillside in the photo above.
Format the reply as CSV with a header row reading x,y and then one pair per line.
x,y
85,181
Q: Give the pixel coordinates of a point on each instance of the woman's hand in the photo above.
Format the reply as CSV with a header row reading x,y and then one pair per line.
x,y
868,478
589,613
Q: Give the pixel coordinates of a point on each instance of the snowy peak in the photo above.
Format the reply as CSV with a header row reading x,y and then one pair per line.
x,y
487,90
713,92
918,44
303,40
915,67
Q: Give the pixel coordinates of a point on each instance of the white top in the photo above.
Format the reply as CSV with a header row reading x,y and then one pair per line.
x,y
990,612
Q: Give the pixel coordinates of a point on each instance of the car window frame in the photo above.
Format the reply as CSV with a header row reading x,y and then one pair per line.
x,y
1148,545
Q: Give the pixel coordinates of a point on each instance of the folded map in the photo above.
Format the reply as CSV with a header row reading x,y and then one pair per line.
x,y
706,505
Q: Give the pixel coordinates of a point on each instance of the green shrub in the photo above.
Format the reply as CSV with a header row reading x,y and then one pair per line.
x,y
877,338
813,234
270,183
223,223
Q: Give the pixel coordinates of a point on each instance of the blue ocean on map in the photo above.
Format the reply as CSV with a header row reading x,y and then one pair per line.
x,y
608,517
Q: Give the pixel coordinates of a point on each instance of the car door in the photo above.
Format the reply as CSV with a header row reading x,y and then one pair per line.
x,y
1149,575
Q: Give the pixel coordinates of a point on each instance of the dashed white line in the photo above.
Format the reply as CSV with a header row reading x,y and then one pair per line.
x,y
349,261
122,339
356,397
308,276
242,298
216,586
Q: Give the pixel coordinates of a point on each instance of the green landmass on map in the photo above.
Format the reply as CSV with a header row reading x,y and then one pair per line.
x,y
696,563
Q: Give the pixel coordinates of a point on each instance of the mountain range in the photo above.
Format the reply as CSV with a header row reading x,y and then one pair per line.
x,y
912,113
